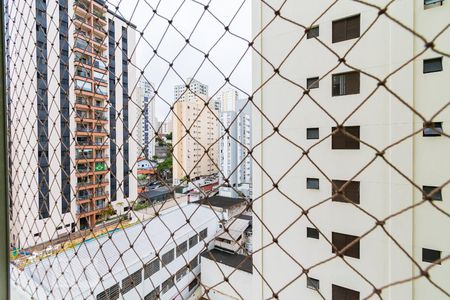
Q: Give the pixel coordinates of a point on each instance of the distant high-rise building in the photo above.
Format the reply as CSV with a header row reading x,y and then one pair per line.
x,y
235,164
147,122
81,147
195,133
166,126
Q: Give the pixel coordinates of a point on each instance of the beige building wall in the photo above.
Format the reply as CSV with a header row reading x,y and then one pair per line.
x,y
383,120
190,113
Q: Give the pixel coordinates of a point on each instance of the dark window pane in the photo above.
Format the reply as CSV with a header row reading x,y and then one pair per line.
x,y
153,295
433,192
430,255
312,283
342,293
312,183
432,65
313,32
193,241
181,248
312,133
345,83
351,191
340,241
151,268
346,29
312,83
312,233
111,293
434,130
167,257
340,140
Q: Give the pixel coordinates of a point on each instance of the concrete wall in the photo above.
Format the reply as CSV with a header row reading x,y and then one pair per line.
x,y
383,120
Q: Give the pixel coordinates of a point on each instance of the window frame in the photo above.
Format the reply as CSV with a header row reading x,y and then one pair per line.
x,y
347,88
432,60
312,233
345,34
313,32
353,190
311,183
341,141
310,133
354,251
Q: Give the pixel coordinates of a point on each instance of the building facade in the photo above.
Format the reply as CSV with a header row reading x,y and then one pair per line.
x,y
382,120
147,122
195,130
235,142
79,144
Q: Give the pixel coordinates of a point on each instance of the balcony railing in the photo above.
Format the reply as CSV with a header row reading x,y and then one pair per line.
x,y
84,156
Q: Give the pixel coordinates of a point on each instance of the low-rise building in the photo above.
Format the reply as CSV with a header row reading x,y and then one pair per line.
x,y
164,260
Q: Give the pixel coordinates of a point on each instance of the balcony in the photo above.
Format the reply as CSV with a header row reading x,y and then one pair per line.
x,y
83,6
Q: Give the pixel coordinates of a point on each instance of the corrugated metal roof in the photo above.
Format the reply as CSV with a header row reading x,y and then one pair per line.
x,y
81,269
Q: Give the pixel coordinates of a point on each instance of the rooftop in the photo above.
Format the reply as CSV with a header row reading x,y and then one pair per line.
x,y
238,261
81,270
220,201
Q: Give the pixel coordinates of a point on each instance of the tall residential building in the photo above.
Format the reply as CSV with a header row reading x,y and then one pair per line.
x,y
235,133
166,126
382,120
147,122
195,131
77,113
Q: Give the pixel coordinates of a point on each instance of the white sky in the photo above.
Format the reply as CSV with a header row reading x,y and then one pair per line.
x,y
185,15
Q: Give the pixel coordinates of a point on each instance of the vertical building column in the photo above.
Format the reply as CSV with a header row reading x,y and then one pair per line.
x,y
112,109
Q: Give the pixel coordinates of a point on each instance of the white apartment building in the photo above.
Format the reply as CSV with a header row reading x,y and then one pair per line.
x,y
380,121
166,126
71,98
195,130
147,123
164,263
235,164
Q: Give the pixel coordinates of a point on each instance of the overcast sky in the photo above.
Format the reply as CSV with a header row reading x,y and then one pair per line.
x,y
169,43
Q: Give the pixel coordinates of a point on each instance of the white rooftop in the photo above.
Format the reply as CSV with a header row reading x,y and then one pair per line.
x,y
81,269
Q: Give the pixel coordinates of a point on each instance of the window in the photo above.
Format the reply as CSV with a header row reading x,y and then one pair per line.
x,y
348,140
168,257
312,283
342,293
180,274
151,268
312,133
434,130
111,293
193,284
351,191
193,241
313,32
131,281
312,83
427,3
345,83
340,241
181,248
430,255
312,183
193,263
153,295
346,29
433,192
432,65
312,233
203,234
167,285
